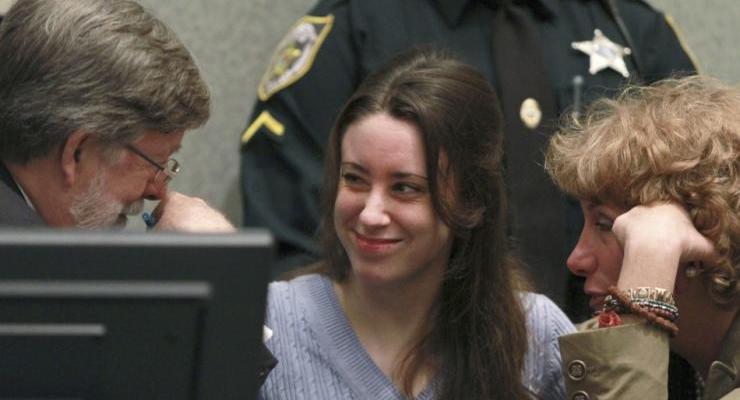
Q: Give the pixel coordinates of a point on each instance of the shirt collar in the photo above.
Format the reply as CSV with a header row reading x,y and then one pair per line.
x,y
25,196
724,374
452,10
7,177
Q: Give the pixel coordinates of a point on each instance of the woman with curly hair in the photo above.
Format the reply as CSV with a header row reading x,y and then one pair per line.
x,y
657,172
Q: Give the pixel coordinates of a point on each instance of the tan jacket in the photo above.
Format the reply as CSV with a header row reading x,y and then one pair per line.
x,y
631,362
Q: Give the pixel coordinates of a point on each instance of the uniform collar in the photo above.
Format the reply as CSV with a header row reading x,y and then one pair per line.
x,y
724,374
453,9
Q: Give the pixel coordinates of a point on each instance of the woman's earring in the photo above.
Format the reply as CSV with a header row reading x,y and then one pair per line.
x,y
694,269
722,282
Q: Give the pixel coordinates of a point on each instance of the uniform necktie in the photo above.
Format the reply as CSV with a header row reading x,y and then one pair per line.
x,y
528,104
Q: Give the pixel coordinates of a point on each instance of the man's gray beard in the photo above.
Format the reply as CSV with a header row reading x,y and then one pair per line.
x,y
96,210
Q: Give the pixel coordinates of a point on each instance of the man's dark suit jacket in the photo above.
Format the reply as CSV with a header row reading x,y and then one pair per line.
x,y
14,211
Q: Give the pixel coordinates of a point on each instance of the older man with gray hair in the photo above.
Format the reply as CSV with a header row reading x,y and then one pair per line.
x,y
95,98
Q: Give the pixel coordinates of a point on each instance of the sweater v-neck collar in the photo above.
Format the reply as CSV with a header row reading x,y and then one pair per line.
x,y
336,337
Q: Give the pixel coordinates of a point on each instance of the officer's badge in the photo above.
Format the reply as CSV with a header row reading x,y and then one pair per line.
x,y
530,113
295,54
604,54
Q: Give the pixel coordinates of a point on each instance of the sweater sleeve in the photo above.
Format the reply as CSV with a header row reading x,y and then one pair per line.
x,y
546,322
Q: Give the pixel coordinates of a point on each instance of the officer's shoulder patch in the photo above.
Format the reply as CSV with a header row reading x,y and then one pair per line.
x,y
295,54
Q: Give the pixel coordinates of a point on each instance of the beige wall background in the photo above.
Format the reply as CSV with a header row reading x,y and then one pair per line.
x,y
4,5
233,40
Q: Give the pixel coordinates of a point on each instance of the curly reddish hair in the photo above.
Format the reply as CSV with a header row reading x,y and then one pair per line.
x,y
677,140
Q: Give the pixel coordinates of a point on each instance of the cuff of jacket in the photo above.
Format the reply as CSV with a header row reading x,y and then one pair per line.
x,y
623,362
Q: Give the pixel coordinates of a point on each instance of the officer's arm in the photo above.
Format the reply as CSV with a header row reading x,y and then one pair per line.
x,y
660,46
310,76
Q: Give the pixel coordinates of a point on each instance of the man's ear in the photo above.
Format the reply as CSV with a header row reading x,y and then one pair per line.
x,y
71,155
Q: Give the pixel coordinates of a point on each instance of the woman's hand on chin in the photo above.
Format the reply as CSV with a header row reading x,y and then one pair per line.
x,y
656,238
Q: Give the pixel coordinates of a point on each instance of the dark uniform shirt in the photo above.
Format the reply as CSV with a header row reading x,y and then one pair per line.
x,y
315,71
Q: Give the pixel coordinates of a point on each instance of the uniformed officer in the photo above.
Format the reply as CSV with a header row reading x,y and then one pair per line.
x,y
577,51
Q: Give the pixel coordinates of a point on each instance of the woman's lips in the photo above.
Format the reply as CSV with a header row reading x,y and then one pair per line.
x,y
596,296
371,245
596,302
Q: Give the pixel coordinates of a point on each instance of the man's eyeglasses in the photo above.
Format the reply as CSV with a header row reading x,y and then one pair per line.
x,y
165,173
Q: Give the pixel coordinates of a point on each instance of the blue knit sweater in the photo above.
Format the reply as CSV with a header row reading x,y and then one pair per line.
x,y
321,358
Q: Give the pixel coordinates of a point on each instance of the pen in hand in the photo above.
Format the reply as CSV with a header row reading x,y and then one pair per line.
x,y
149,220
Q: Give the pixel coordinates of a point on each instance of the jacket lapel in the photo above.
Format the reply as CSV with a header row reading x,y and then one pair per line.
x,y
724,374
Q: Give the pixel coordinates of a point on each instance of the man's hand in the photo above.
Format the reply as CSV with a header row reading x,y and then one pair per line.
x,y
180,213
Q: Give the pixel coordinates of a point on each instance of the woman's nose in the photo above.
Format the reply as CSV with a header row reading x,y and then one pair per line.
x,y
581,261
375,212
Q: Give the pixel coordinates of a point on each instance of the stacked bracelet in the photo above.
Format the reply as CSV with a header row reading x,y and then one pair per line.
x,y
659,308
651,294
665,310
653,304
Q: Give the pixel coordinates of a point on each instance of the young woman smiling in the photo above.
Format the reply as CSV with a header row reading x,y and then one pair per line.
x,y
419,296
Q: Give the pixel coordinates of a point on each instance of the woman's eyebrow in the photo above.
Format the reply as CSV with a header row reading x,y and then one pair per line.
x,y
352,165
402,175
396,175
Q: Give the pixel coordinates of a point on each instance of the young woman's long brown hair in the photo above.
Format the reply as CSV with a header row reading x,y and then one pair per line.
x,y
476,338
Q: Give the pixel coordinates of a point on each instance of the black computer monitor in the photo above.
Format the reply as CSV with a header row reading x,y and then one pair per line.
x,y
88,315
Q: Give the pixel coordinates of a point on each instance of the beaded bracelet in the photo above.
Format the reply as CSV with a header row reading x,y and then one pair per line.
x,y
667,311
626,301
662,310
